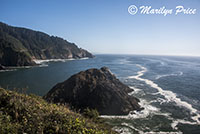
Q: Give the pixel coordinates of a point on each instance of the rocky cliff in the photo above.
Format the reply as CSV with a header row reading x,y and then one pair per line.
x,y
20,46
96,89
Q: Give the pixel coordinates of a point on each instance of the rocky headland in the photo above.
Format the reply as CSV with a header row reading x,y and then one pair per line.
x,y
95,89
21,46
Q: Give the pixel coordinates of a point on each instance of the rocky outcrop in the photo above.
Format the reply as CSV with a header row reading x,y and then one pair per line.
x,y
20,46
96,89
12,57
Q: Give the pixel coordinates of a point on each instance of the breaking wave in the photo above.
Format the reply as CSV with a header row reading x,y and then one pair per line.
x,y
51,60
43,63
128,127
169,97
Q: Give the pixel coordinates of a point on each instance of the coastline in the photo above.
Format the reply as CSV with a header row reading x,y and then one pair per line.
x,y
39,63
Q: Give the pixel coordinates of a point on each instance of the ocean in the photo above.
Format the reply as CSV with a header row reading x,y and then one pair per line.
x,y
168,88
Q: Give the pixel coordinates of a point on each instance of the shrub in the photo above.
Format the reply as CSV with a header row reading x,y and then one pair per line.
x,y
20,113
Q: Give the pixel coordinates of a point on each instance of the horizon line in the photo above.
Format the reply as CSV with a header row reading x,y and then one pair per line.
x,y
99,53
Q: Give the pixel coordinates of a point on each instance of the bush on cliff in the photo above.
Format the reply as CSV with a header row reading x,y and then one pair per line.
x,y
20,113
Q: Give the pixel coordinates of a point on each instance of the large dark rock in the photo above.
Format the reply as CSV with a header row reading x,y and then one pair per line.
x,y
96,89
20,46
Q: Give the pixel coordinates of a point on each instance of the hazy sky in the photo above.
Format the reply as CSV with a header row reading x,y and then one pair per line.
x,y
105,26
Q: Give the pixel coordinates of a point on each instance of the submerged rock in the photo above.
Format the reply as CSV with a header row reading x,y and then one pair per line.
x,y
96,89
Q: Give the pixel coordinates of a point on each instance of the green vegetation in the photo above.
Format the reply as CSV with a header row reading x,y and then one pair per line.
x,y
21,113
19,46
91,113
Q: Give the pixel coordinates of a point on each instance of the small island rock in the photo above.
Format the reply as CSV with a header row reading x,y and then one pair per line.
x,y
95,89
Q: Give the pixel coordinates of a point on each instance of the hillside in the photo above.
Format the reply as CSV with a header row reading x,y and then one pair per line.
x,y
96,89
20,46
20,113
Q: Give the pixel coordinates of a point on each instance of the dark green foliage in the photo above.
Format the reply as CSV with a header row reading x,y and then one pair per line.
x,y
20,113
22,45
91,113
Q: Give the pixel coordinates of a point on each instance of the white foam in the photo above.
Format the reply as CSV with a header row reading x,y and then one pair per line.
x,y
122,130
167,75
161,132
135,90
127,131
50,60
7,70
169,96
43,65
56,60
175,123
85,58
148,109
160,100
13,68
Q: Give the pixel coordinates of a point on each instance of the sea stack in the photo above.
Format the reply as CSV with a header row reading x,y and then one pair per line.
x,y
95,89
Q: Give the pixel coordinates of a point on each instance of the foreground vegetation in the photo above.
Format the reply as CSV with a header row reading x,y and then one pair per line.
x,y
21,113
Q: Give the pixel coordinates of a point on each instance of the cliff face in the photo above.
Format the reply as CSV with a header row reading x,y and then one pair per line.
x,y
96,89
19,46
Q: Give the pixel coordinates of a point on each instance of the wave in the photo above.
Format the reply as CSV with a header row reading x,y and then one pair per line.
x,y
7,70
160,100
43,65
12,68
50,60
167,75
135,90
170,97
85,58
148,109
56,60
127,131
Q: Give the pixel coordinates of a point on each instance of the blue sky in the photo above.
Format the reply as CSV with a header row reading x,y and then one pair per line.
x,y
105,26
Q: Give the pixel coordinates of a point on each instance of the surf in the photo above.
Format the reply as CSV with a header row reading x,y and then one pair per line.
x,y
169,97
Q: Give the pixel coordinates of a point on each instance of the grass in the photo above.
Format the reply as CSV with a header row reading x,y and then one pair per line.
x,y
21,113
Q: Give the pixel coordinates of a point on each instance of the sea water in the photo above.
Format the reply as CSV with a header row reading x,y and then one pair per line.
x,y
168,88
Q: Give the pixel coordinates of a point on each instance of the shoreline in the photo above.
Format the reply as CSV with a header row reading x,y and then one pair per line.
x,y
39,63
